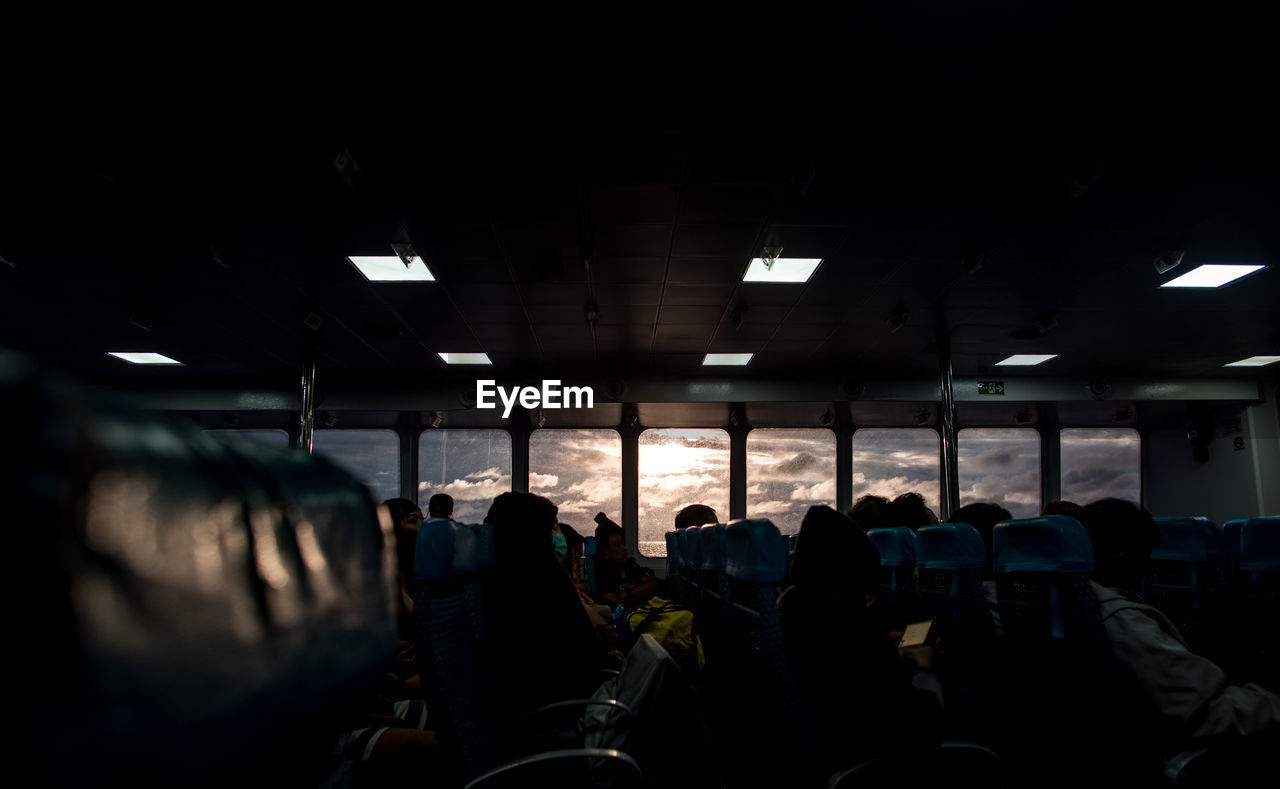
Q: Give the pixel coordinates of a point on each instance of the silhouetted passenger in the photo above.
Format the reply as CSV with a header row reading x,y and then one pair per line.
x,y
695,515
405,520
984,517
1062,507
866,511
1187,692
862,697
600,615
907,510
541,646
620,580
440,506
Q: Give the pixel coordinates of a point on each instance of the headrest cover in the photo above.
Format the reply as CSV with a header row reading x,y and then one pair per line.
x,y
1051,544
713,546
754,549
588,546
673,546
1260,544
447,550
692,547
897,546
951,546
1231,536
1188,540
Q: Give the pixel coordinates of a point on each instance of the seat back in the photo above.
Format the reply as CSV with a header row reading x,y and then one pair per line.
x,y
589,551
196,607
449,564
692,553
1260,609
714,620
899,598
673,563
1231,543
1188,579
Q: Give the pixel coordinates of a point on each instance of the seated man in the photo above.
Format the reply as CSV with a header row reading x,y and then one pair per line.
x,y
1187,692
695,515
440,506
620,580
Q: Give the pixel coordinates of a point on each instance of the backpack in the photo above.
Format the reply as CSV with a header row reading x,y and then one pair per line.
x,y
670,624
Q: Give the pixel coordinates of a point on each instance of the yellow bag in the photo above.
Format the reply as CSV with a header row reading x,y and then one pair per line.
x,y
670,624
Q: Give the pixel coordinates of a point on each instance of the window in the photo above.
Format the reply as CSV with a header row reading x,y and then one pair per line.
x,y
679,467
472,466
278,438
891,461
788,471
372,456
579,470
1101,462
1002,466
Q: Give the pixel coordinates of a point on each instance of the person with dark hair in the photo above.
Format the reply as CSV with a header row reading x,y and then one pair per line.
x,y
1187,692
1062,507
541,646
866,511
695,515
984,516
908,509
440,506
620,580
861,693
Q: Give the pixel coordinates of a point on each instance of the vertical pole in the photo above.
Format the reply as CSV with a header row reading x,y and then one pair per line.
x,y
520,431
843,428
630,430
307,421
738,430
950,453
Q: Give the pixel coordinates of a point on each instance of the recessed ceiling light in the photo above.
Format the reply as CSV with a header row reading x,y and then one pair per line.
x,y
783,270
144,358
465,358
1026,359
715,359
390,268
1254,361
1210,276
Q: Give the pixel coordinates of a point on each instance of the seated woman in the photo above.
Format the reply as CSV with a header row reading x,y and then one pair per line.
x,y
862,696
541,646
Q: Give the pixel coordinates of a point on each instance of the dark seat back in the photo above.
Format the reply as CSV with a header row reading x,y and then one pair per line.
x,y
899,598
1188,580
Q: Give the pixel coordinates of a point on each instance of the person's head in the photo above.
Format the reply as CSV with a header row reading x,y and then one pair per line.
x,y
611,540
834,555
908,510
695,515
1061,507
523,525
574,543
1123,535
982,516
440,506
866,511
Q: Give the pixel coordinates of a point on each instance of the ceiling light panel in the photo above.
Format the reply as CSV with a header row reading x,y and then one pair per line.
x,y
1026,359
465,358
726,359
793,270
1210,276
390,268
1254,361
143,358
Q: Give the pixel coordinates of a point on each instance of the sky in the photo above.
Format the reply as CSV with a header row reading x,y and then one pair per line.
x,y
788,469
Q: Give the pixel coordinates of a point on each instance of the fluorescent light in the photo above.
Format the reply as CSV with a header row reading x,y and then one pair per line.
x,y
1254,361
739,359
1210,276
144,358
1026,359
784,270
465,358
390,268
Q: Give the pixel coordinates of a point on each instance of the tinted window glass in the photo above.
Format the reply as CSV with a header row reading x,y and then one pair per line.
x,y
1101,462
1001,465
891,461
372,456
788,471
472,466
579,470
678,467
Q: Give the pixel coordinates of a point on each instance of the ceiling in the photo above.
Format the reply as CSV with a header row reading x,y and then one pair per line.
x,y
951,184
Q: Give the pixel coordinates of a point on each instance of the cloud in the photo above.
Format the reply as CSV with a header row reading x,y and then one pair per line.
x,y
543,480
797,465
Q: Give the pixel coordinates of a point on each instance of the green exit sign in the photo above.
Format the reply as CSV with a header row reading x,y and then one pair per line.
x,y
990,387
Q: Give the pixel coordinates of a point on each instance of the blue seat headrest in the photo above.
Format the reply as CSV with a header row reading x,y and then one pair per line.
x,y
673,546
1260,544
448,550
1231,536
692,547
754,551
1051,544
897,546
1188,540
713,546
951,546
588,546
